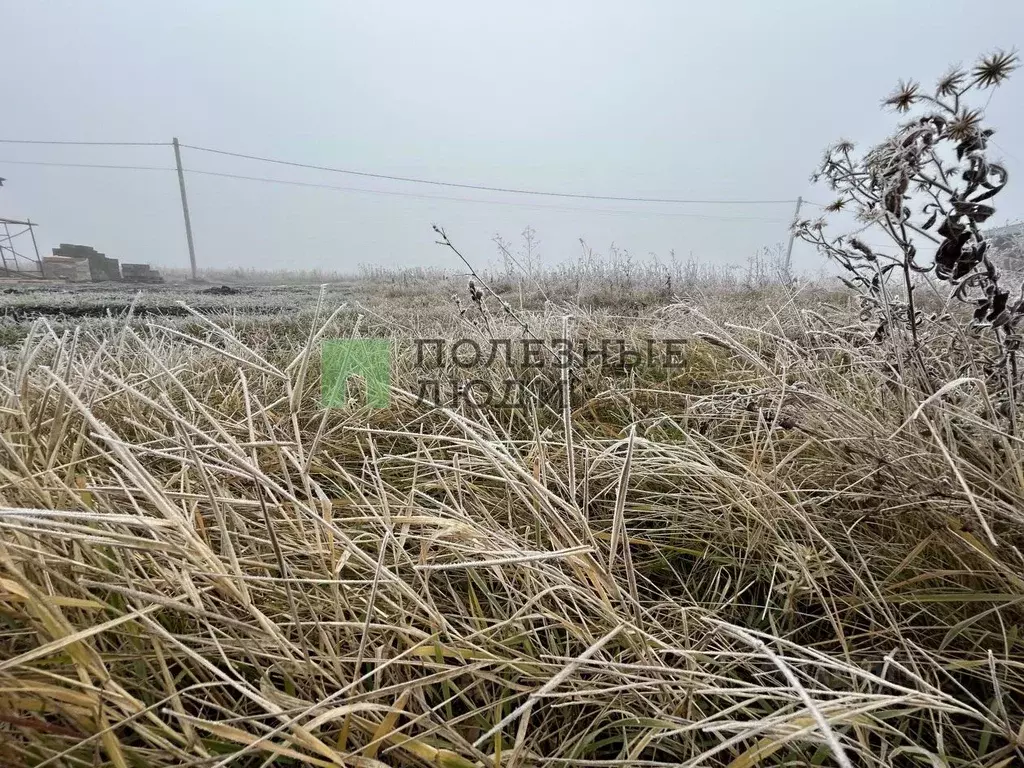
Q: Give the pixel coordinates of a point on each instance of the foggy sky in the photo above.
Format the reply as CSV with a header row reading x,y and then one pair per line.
x,y
709,100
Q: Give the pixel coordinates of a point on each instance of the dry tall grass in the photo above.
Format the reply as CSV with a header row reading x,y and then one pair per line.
x,y
776,555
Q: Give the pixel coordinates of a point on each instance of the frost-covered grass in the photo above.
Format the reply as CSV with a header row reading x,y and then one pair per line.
x,y
778,554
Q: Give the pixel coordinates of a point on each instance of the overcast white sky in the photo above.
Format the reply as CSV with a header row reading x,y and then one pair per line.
x,y
708,100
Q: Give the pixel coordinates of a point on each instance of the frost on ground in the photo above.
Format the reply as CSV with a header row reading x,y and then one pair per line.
x,y
778,552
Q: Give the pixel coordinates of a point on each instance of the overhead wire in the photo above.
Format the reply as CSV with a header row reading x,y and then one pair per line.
x,y
89,143
474,200
83,143
367,174
89,165
395,193
480,187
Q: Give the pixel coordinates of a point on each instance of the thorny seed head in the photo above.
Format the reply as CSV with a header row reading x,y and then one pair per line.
x,y
903,97
837,205
950,83
965,125
991,70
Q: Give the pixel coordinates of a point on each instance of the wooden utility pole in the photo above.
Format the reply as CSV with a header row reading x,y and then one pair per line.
x,y
789,250
184,207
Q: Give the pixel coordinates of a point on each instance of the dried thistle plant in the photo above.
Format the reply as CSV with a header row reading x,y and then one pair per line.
x,y
933,170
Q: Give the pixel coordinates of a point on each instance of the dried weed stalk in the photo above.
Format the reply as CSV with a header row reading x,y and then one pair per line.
x,y
931,182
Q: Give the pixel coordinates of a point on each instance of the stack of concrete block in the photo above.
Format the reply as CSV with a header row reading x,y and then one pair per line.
x,y
66,268
140,273
98,267
112,267
101,268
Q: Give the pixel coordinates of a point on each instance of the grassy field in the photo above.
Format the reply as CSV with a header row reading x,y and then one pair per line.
x,y
785,551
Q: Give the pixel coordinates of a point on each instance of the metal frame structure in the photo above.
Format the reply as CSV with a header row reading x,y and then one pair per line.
x,y
11,260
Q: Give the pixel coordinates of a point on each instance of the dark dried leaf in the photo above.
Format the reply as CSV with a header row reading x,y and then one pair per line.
x,y
1000,319
949,254
931,220
950,227
972,142
970,257
993,187
974,211
997,170
936,121
911,137
999,303
977,173
963,268
912,263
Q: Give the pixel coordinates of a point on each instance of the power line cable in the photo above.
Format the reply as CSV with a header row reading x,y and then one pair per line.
x,y
481,187
472,200
366,174
393,193
89,143
89,165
